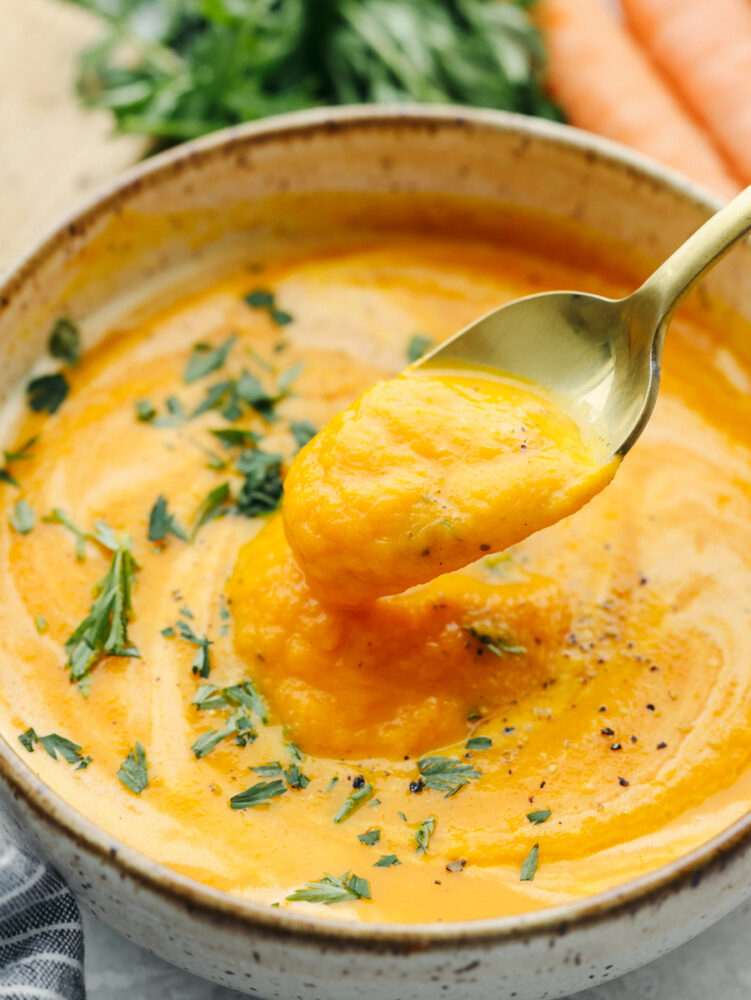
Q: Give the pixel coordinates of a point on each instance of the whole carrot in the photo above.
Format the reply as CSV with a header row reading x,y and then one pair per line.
x,y
605,83
704,47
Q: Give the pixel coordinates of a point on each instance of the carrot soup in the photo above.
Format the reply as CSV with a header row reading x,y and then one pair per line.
x,y
444,692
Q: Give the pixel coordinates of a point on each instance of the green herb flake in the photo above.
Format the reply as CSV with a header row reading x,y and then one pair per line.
x,y
302,431
22,519
47,393
260,298
212,507
209,696
258,794
538,816
134,772
387,861
287,378
295,777
65,341
271,770
530,865
104,631
202,663
418,345
500,644
23,453
54,745
235,437
238,724
370,837
280,317
446,774
41,624
479,743
58,516
262,490
332,784
423,834
169,632
204,360
353,802
330,889
145,411
162,523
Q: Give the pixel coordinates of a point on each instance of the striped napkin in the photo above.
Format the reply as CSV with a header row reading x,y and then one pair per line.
x,y
41,938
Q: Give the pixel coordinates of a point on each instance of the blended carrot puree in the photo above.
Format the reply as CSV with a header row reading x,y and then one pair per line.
x,y
559,713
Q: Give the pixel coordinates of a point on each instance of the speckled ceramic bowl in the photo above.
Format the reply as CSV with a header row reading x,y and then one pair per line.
x,y
206,194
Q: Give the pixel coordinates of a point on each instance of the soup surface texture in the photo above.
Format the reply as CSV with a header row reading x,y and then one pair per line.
x,y
535,727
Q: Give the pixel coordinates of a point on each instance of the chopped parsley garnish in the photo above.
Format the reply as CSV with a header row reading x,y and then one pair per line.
x,y
47,393
23,453
204,360
238,725
104,631
370,837
16,456
387,861
234,437
288,377
22,519
530,865
262,298
145,410
271,770
498,644
201,665
258,794
209,696
295,777
65,341
213,506
54,745
446,774
162,523
538,816
332,784
302,431
262,490
331,889
353,802
423,834
418,345
134,771
479,743
59,516
41,624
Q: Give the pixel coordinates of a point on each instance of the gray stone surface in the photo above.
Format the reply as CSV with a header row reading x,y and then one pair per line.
x,y
716,964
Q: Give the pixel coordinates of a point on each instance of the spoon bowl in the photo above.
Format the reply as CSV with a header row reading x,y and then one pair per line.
x,y
601,355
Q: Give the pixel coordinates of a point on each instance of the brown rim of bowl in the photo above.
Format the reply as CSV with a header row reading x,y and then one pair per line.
x,y
217,906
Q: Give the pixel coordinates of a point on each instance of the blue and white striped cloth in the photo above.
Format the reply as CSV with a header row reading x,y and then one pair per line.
x,y
41,938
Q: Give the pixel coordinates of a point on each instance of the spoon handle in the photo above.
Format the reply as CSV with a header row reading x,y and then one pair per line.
x,y
669,285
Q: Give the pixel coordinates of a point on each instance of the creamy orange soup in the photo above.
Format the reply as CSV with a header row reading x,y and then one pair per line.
x,y
550,720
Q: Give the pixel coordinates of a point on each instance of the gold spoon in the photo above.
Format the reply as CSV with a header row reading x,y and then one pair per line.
x,y
603,353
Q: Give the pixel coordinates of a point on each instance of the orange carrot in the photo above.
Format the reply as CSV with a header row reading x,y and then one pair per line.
x,y
605,83
704,47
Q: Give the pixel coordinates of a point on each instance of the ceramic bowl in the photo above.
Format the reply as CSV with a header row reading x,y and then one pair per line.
x,y
169,216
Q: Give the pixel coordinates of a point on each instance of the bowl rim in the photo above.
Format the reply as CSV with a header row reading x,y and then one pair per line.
x,y
219,906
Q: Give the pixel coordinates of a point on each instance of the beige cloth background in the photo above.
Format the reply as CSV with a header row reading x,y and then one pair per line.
x,y
51,151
